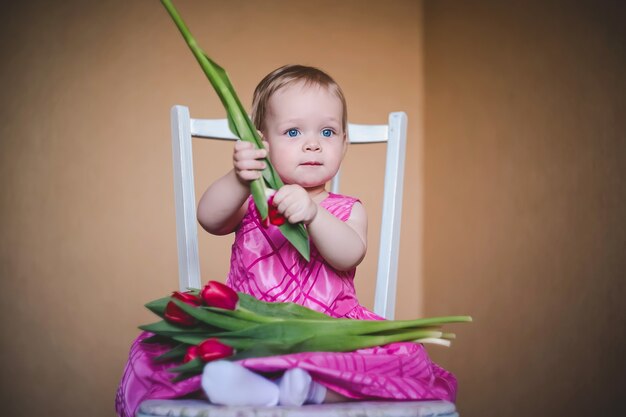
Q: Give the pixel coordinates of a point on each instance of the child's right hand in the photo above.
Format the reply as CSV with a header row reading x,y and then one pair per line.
x,y
246,161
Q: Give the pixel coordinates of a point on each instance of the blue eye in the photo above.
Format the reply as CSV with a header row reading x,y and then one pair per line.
x,y
292,133
327,133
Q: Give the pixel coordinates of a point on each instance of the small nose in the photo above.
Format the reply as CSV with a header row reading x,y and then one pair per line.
x,y
312,145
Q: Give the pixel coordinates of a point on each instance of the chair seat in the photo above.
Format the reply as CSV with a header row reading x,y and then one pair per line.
x,y
199,408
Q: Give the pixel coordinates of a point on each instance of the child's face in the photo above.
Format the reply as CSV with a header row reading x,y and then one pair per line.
x,y
304,131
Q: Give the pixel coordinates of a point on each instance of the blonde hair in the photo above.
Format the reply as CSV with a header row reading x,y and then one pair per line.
x,y
291,74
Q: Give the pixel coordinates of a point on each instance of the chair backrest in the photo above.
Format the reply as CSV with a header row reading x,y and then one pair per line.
x,y
393,133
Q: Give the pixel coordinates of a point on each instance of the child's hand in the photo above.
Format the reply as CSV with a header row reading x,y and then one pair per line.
x,y
293,202
246,161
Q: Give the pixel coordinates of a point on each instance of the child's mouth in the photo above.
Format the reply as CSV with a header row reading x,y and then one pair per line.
x,y
311,163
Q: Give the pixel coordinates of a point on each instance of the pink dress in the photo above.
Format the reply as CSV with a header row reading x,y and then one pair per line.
x,y
265,265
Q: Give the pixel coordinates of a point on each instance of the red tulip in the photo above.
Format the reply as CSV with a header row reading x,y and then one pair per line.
x,y
216,294
175,314
192,353
212,349
275,217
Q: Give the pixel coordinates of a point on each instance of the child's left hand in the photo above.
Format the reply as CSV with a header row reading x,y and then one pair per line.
x,y
293,202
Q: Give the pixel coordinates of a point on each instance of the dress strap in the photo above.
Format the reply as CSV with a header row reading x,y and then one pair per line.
x,y
339,205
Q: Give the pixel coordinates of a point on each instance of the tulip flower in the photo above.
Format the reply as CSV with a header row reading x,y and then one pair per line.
x,y
209,350
216,294
174,314
275,217
212,349
192,353
241,125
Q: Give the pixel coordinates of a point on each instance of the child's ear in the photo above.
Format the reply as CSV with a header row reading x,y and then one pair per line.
x,y
345,144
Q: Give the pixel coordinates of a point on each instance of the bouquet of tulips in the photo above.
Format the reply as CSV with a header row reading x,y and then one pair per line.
x,y
217,322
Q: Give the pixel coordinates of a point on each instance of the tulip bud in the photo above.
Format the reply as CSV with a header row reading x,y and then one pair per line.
x,y
192,353
212,349
176,315
216,294
275,217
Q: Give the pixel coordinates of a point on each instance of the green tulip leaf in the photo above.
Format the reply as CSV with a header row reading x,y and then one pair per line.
x,y
158,306
235,343
187,375
264,348
193,366
213,318
348,343
375,327
297,235
190,338
241,126
157,339
177,352
165,328
279,310
285,332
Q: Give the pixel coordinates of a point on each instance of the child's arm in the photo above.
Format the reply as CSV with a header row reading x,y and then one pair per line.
x,y
222,205
341,244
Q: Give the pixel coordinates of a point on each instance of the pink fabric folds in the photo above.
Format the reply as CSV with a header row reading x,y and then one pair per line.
x,y
264,264
144,379
398,371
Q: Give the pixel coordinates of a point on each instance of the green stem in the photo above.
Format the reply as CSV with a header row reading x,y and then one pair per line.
x,y
434,341
257,187
214,319
245,314
245,130
361,327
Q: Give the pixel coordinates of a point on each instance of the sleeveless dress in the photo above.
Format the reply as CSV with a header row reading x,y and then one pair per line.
x,y
265,265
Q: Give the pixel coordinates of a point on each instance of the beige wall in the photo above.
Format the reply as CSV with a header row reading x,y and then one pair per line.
x,y
88,230
525,201
524,176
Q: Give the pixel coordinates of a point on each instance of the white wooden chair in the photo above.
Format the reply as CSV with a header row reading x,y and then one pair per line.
x,y
394,134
